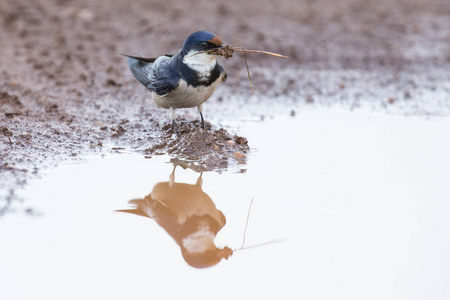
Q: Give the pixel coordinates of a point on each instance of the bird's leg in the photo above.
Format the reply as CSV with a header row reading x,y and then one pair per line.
x,y
199,182
200,108
172,117
172,177
203,120
174,127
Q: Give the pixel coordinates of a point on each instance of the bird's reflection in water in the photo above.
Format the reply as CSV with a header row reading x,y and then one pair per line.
x,y
190,217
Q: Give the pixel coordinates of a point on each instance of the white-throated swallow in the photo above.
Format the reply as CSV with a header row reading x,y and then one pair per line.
x,y
186,79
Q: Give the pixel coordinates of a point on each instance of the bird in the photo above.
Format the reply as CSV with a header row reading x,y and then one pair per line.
x,y
189,216
183,80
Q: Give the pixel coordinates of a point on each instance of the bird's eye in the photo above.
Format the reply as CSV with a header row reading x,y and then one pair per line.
x,y
203,44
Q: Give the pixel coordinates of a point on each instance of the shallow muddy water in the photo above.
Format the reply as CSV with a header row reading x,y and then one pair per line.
x,y
360,200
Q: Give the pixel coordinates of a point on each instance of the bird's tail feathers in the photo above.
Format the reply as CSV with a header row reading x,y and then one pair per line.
x,y
141,58
144,59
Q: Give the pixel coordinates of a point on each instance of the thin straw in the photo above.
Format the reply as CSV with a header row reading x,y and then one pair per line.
x,y
248,73
262,244
259,51
246,223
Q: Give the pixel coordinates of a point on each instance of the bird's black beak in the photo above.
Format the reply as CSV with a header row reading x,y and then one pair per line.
x,y
216,50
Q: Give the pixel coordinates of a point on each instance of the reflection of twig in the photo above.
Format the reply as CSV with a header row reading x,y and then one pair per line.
x,y
262,244
246,223
245,231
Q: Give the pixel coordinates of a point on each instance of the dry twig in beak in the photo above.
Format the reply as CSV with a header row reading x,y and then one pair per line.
x,y
227,51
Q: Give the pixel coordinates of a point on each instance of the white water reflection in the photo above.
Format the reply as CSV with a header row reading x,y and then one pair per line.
x,y
362,202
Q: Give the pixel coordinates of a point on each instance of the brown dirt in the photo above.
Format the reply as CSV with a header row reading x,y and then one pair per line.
x,y
209,149
66,92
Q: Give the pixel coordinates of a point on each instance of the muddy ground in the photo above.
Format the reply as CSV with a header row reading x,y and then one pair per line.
x,y
66,92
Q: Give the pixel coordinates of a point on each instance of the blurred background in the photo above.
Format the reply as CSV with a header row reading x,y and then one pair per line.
x,y
348,151
49,43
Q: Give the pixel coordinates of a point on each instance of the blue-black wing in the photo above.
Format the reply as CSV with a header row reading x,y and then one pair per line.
x,y
141,67
165,75
159,75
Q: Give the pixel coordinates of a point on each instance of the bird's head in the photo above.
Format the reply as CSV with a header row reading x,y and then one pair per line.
x,y
201,41
204,42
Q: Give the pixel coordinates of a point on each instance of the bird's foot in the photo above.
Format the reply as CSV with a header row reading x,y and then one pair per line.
x,y
175,128
202,121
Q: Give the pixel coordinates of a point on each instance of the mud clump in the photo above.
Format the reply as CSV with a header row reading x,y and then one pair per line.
x,y
8,99
11,105
119,131
209,149
226,51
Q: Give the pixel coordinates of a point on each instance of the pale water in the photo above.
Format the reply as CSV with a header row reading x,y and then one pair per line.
x,y
361,201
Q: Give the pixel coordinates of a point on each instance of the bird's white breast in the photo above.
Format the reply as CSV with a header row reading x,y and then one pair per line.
x,y
199,241
187,95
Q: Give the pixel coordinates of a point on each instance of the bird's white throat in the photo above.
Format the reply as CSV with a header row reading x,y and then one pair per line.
x,y
202,63
199,241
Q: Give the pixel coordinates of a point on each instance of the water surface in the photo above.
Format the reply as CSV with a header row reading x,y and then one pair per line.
x,y
361,201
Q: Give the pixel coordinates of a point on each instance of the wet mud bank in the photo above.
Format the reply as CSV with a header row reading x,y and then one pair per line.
x,y
209,149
